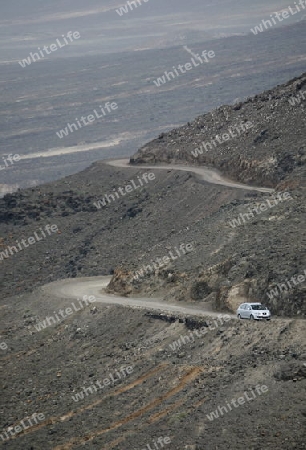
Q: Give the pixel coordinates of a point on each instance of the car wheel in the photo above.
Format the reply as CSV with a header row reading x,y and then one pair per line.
x,y
251,317
239,316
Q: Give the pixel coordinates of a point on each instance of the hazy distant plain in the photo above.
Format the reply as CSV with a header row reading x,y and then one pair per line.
x,y
103,65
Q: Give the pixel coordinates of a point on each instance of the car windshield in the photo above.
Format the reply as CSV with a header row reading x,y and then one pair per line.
x,y
258,307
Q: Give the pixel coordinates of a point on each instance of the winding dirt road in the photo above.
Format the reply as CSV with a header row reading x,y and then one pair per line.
x,y
77,288
210,175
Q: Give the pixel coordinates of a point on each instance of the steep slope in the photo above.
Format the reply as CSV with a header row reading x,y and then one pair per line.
x,y
183,370
267,248
269,152
239,252
201,382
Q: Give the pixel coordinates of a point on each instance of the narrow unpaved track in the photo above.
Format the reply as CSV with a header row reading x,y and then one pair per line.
x,y
74,288
210,175
77,288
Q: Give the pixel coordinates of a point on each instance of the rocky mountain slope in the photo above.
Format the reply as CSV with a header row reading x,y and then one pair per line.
x,y
184,369
269,152
170,391
230,263
259,142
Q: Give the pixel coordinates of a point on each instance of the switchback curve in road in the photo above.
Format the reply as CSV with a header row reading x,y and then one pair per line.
x,y
76,288
206,174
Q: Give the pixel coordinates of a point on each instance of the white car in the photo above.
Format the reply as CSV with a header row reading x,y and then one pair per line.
x,y
253,311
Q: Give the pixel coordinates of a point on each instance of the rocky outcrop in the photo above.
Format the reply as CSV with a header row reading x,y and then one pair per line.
x,y
120,282
265,154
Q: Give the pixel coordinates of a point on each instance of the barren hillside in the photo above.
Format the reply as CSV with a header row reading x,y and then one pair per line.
x,y
187,373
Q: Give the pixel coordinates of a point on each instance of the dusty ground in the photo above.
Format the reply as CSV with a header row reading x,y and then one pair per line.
x,y
169,393
247,261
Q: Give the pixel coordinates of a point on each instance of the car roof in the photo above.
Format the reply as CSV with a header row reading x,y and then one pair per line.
x,y
249,304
